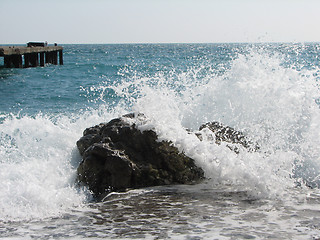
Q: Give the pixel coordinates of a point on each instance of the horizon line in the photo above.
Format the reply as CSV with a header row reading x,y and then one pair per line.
x,y
127,43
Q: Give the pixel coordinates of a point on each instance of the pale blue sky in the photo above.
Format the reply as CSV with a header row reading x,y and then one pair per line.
x,y
159,21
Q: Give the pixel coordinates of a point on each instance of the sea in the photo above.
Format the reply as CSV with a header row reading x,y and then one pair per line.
x,y
268,91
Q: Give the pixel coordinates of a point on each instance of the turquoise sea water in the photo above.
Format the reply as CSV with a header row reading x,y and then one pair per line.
x,y
66,88
268,91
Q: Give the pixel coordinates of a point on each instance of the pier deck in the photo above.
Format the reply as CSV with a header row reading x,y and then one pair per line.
x,y
14,55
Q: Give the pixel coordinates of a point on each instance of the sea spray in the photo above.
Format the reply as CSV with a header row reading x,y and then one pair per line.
x,y
38,161
273,104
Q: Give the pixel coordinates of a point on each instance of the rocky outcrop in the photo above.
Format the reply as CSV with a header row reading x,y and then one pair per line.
x,y
117,155
221,133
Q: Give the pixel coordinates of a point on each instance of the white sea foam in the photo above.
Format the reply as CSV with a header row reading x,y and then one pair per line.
x,y
38,160
273,104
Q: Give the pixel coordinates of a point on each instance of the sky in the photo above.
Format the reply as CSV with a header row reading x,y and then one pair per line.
x,y
159,21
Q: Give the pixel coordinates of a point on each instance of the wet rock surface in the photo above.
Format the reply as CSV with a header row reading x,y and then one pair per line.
x,y
117,155
229,135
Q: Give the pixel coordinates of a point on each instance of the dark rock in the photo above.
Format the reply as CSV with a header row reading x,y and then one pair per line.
x,y
229,135
117,155
105,169
86,141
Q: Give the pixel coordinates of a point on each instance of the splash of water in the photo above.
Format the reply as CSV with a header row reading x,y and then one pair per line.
x,y
38,161
273,104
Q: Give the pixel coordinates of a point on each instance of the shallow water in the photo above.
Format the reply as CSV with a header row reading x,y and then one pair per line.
x,y
202,211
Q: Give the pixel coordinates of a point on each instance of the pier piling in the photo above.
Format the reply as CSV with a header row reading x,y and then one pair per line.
x,y
34,55
41,59
60,57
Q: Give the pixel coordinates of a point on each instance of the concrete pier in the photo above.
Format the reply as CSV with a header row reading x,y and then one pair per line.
x,y
34,55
